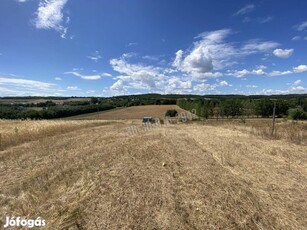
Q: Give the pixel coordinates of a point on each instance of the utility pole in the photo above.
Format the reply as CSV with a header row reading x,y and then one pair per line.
x,y
274,110
97,110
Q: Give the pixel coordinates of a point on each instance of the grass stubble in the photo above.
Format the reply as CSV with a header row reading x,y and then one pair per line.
x,y
184,176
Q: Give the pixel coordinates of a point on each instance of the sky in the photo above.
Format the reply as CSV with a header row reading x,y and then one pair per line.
x,y
122,47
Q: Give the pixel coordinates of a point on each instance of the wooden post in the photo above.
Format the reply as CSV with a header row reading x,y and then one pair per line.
x,y
0,141
273,127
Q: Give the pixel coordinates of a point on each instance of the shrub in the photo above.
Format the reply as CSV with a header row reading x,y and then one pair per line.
x,y
171,113
297,114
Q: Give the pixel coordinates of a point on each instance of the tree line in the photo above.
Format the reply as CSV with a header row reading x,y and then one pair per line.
x,y
18,112
238,107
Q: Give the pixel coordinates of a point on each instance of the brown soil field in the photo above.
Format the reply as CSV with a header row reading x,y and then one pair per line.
x,y
133,112
181,176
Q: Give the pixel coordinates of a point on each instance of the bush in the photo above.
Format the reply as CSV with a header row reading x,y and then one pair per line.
x,y
297,114
171,113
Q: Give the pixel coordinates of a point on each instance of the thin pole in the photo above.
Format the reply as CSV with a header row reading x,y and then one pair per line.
x,y
274,109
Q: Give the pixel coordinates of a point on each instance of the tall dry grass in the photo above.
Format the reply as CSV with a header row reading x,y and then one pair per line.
x,y
292,131
14,132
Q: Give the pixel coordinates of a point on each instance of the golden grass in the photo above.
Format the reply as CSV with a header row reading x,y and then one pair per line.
x,y
185,176
293,131
133,112
13,132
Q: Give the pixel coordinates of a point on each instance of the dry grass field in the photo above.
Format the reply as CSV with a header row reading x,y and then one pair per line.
x,y
182,176
133,112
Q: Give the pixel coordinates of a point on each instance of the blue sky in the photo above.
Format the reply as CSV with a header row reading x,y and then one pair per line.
x,y
121,47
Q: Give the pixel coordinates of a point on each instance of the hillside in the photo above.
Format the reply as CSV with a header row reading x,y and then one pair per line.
x,y
134,112
177,177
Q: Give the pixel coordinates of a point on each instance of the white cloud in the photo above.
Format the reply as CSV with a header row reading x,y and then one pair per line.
x,y
118,86
72,88
224,83
204,87
279,73
246,9
50,16
298,89
132,44
251,86
141,76
95,57
297,82
300,69
58,79
24,83
211,53
208,54
205,76
106,75
245,72
261,72
85,77
296,38
266,19
257,45
261,67
22,1
301,26
283,53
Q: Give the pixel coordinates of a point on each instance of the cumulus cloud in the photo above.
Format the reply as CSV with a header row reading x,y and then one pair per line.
x,y
58,79
224,83
85,77
212,53
246,9
208,54
283,53
50,16
141,76
300,69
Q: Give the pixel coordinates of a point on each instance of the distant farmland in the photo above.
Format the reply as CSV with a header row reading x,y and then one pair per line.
x,y
134,112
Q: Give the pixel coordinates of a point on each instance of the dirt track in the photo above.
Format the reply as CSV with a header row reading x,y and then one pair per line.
x,y
177,177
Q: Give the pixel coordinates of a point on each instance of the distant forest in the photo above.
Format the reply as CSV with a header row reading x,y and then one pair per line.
x,y
207,106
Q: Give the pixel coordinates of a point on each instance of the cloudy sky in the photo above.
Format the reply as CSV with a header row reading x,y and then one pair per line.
x,y
106,48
